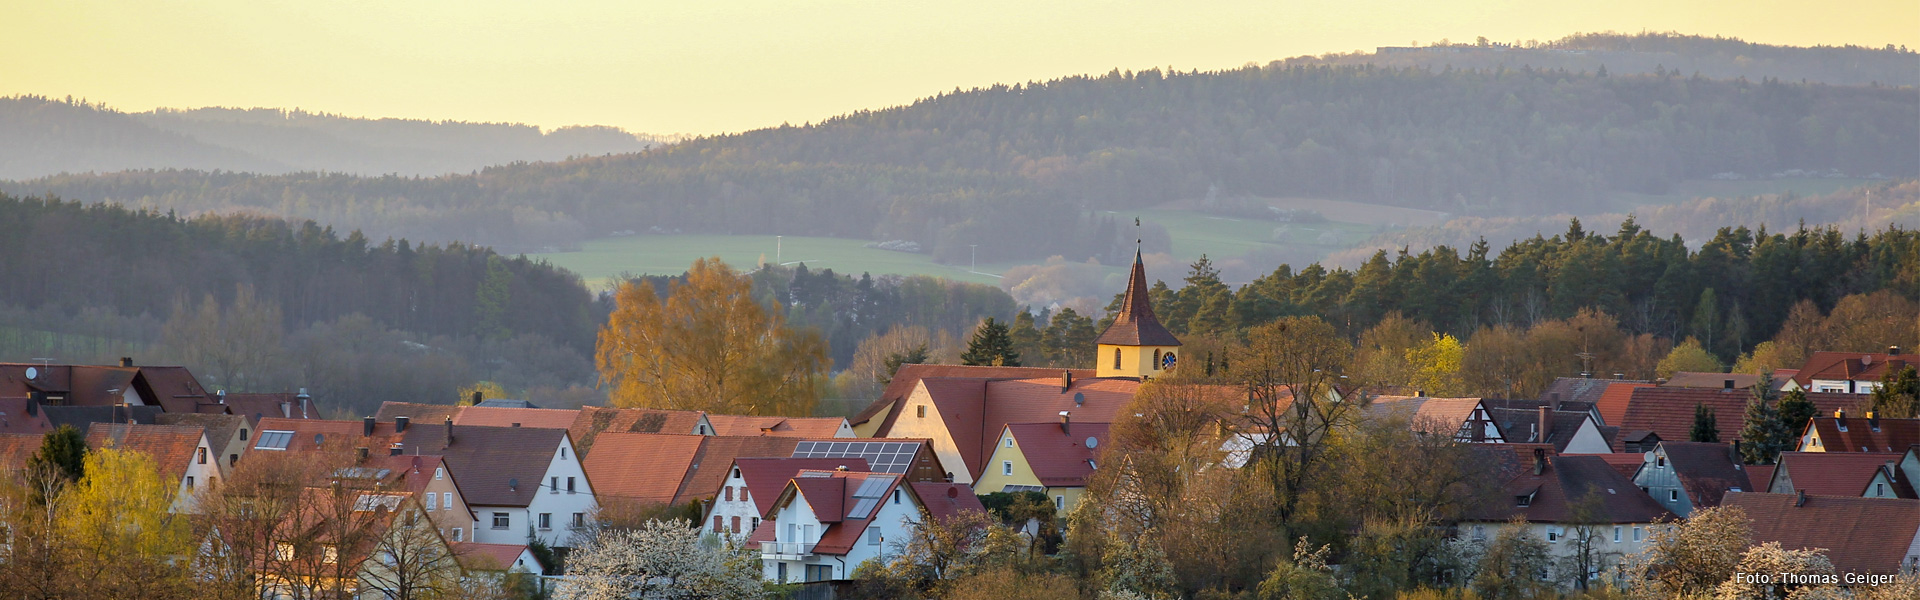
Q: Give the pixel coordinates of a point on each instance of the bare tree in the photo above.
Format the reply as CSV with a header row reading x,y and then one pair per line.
x,y
1290,369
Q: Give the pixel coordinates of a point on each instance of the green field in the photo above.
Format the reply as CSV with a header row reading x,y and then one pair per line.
x,y
604,258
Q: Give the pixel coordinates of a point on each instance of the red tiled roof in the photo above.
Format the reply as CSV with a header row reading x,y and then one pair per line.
x,y
649,467
490,557
1893,435
1714,380
494,416
594,420
1627,463
825,495
316,434
1135,324
709,469
908,377
1443,416
1561,485
1707,471
1858,366
1761,476
764,475
421,414
171,447
173,387
16,448
1613,402
21,415
1832,473
1060,458
259,406
798,427
1668,411
830,494
1860,535
946,500
218,427
498,466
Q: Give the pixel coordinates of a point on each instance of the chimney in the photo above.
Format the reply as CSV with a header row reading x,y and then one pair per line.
x,y
1840,418
516,424
1420,393
1066,381
1893,350
366,426
1726,385
1555,397
449,430
841,468
126,361
1802,500
397,449
1546,424
360,454
303,398
476,398
222,395
1619,375
1539,460
400,424
32,407
1065,423
1873,420
1733,452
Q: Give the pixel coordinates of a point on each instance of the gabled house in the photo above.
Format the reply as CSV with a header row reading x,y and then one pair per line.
x,y
1668,411
1051,458
914,458
964,417
172,388
1842,433
643,468
1899,479
182,453
1830,473
736,509
358,544
825,523
498,560
1850,372
1684,476
879,416
521,483
228,436
1577,393
1563,499
1860,535
1573,432
427,478
1611,405
260,406
1465,419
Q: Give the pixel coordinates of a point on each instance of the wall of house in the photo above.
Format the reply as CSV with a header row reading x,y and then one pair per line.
x,y
1663,483
450,511
741,507
559,502
934,427
871,428
1135,361
795,524
1006,451
1632,538
200,477
237,444
1588,440
1064,499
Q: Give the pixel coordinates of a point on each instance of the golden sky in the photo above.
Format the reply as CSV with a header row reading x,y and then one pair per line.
x,y
707,66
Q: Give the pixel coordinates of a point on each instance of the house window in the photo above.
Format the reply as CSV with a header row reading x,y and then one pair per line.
x,y
329,554
570,489
753,522
189,482
274,440
873,536
729,493
439,473
457,534
783,572
563,453
1616,534
1156,360
553,485
1660,462
500,520
819,572
717,527
734,525
1059,502
1553,534
546,521
432,503
896,496
1879,489
283,551
1673,495
202,452
579,520
446,498
243,434
1006,467
232,459
1116,358
1009,442
920,411
1636,533
1526,500
1479,532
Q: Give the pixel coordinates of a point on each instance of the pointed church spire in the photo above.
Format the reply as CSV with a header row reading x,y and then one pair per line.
x,y
1136,325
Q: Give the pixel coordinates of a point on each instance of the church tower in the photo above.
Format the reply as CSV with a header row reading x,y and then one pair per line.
x,y
1136,344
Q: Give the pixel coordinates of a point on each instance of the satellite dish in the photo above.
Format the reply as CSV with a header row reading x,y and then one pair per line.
x,y
33,373
1079,398
1093,442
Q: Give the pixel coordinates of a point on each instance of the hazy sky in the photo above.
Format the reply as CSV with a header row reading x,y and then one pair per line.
x,y
705,66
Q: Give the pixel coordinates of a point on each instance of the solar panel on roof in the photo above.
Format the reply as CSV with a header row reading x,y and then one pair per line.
x,y
874,487
802,447
882,457
863,509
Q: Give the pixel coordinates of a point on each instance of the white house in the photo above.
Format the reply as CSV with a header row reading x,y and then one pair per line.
x,y
751,487
825,523
521,483
180,452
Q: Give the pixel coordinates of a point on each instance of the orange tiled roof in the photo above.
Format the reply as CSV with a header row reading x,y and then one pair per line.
x,y
495,416
1860,535
172,447
1831,473
648,467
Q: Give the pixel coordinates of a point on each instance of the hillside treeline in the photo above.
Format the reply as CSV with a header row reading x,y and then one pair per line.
x,y
43,136
1015,168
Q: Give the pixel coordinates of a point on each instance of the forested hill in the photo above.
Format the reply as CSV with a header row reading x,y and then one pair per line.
x,y
42,136
1653,53
1015,169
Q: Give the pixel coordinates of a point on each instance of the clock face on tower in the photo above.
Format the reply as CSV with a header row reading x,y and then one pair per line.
x,y
1166,361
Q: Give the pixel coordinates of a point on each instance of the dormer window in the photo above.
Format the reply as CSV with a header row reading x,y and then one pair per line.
x,y
1523,501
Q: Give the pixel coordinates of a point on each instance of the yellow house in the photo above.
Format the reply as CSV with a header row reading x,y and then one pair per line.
x,y
1053,459
1136,344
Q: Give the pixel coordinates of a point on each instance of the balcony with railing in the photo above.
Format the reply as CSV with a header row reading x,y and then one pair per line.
x,y
785,550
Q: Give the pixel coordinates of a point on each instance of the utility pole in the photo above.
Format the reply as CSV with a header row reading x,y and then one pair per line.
x,y
776,250
973,261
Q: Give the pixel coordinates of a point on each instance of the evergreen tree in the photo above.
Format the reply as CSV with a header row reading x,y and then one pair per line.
x,y
1027,339
1705,429
64,452
916,356
991,345
1795,410
1764,436
1898,396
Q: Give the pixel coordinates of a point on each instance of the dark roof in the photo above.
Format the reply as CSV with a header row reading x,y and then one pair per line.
x,y
1893,435
1613,401
23,415
418,413
909,376
173,387
1565,481
1860,535
219,428
709,469
1857,366
796,427
171,447
1668,411
81,417
1831,473
260,406
1523,425
1707,471
769,474
498,466
1691,379
1135,324
1578,389
946,500
647,467
1761,476
505,403
1060,458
